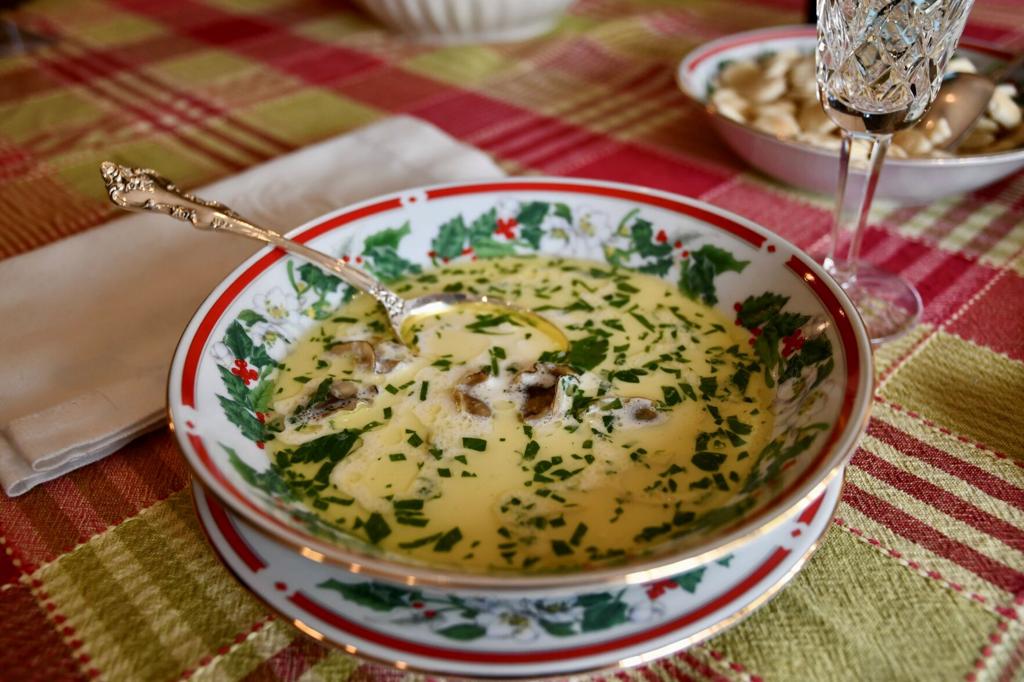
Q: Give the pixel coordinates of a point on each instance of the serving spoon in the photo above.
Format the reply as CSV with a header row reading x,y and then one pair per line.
x,y
962,99
143,189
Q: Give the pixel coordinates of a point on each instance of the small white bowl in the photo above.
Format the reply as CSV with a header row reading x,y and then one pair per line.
x,y
468,21
911,181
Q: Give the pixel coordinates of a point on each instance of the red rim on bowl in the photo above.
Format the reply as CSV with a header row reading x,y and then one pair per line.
x,y
839,445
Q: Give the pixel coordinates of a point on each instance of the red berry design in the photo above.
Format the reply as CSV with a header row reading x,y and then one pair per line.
x,y
657,589
507,227
793,343
243,371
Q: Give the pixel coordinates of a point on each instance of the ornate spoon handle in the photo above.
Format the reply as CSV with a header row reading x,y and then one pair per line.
x,y
143,189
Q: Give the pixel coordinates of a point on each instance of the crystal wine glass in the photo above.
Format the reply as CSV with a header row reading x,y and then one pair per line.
x,y
879,67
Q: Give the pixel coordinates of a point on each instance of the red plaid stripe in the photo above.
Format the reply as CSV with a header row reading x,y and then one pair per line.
x,y
999,574
941,499
32,648
43,523
289,663
996,320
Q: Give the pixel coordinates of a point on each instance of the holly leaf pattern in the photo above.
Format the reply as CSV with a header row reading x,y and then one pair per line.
x,y
563,212
250,317
267,481
450,238
644,243
603,615
690,580
481,237
697,274
530,217
261,396
388,238
764,315
317,279
373,595
463,631
483,227
755,311
238,341
815,351
240,415
558,629
260,358
235,386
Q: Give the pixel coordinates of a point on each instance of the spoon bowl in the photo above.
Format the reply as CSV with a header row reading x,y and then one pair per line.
x,y
962,99
143,189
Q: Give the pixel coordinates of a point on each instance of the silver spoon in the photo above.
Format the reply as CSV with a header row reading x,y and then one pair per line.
x,y
142,189
962,99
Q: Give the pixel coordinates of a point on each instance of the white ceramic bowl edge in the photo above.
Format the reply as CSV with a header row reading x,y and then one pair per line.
x,y
466,21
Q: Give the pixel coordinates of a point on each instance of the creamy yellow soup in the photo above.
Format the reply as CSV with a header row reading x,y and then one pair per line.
x,y
495,446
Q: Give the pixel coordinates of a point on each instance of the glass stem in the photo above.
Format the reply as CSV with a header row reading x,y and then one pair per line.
x,y
13,35
845,269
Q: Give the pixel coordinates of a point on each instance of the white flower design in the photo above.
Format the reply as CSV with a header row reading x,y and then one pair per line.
x,y
277,305
507,209
281,309
592,222
271,337
641,612
586,239
222,354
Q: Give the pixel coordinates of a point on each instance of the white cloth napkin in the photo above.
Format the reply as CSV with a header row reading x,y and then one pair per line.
x,y
89,323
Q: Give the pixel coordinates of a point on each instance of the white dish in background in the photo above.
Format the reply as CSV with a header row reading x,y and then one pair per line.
x,y
444,633
468,21
911,181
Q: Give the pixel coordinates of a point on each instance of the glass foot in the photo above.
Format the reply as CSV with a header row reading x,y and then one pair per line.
x,y
889,305
16,41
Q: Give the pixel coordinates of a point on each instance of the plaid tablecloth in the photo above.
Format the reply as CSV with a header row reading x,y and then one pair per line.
x,y
105,573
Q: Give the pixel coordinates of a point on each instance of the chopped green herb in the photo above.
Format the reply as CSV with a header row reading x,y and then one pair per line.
x,y
577,535
376,528
419,543
560,547
448,540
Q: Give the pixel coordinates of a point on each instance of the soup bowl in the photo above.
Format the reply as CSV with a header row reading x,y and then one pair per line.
x,y
805,334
